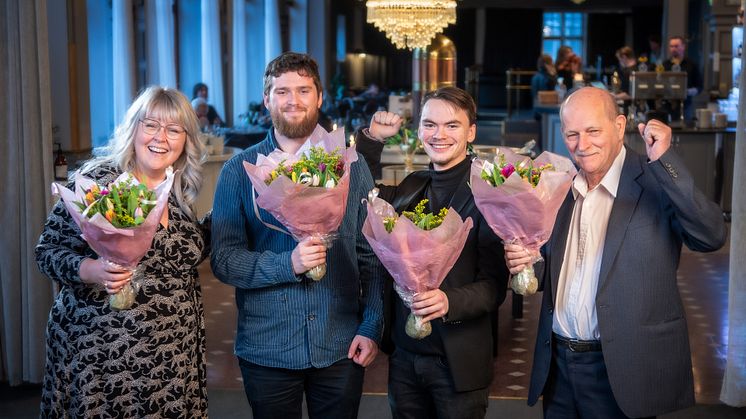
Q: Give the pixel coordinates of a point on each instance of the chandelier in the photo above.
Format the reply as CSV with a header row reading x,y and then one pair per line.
x,y
411,23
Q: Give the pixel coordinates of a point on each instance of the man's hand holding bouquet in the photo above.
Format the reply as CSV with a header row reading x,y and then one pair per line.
x,y
519,198
417,248
306,191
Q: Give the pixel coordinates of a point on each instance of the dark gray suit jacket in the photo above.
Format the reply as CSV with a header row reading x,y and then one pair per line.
x,y
641,317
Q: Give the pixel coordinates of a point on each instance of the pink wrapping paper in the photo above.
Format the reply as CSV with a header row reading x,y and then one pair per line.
x,y
304,210
418,260
123,246
516,211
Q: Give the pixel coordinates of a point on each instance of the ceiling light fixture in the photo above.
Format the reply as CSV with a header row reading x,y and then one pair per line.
x,y
411,23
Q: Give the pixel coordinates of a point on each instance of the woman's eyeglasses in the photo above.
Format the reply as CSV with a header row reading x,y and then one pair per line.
x,y
151,127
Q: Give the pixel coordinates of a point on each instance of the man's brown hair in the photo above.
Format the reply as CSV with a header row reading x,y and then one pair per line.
x,y
302,64
458,98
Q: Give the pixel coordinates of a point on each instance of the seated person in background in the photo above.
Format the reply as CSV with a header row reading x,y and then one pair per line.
x,y
627,64
200,90
545,78
201,108
567,64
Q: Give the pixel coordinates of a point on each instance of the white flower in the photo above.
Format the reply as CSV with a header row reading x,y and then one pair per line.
x,y
316,180
305,178
329,183
488,168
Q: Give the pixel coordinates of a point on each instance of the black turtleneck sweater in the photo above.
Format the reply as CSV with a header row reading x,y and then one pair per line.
x,y
440,190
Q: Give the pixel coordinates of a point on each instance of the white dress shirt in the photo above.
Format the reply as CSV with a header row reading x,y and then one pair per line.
x,y
575,311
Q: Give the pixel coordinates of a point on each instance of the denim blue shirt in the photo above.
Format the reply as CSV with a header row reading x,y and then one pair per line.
x,y
286,320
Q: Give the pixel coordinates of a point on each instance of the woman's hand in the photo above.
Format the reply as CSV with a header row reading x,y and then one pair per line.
x,y
110,275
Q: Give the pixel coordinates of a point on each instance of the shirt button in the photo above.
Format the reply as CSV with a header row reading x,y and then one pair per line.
x,y
547,342
311,317
551,310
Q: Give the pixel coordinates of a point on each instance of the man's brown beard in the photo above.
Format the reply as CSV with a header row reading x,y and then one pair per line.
x,y
301,129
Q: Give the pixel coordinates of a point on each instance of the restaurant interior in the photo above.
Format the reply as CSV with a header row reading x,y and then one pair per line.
x,y
76,65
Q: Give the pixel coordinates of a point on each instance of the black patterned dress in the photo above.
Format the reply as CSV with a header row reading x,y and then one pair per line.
x,y
145,362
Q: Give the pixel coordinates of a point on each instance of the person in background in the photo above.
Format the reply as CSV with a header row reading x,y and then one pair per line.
x,y
677,61
200,90
545,77
149,360
567,65
201,108
612,339
627,63
655,53
446,374
297,336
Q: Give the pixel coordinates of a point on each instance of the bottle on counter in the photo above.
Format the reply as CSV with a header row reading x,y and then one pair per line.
x,y
561,89
616,82
60,163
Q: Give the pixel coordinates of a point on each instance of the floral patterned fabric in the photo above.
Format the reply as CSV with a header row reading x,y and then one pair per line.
x,y
145,362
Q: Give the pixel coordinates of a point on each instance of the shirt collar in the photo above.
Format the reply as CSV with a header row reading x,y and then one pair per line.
x,y
610,181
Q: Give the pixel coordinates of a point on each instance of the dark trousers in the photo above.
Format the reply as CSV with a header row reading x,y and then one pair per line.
x,y
420,386
578,387
277,393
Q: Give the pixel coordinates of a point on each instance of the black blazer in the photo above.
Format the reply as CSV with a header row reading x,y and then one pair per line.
x,y
475,286
641,317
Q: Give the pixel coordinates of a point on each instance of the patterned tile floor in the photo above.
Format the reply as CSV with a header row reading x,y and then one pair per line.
x,y
703,281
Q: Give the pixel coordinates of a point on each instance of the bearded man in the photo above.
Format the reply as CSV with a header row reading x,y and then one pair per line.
x,y
296,335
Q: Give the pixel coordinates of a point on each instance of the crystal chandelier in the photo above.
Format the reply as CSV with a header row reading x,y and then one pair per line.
x,y
411,23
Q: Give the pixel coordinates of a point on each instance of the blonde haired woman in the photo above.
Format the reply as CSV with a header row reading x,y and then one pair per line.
x,y
147,361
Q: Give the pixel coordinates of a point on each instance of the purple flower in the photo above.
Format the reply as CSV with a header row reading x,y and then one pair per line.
x,y
104,191
322,167
507,170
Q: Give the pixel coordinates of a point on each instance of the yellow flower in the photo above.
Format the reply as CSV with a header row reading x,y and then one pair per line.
x,y
109,214
294,177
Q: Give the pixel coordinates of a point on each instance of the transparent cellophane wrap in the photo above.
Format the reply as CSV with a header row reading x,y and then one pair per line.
x,y
304,210
518,212
418,260
120,247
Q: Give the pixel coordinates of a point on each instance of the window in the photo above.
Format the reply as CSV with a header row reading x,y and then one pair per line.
x,y
561,28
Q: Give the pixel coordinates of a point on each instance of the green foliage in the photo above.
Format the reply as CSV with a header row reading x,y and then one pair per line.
x,y
425,221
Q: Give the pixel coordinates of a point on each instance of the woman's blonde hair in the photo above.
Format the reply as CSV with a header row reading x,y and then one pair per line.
x,y
169,105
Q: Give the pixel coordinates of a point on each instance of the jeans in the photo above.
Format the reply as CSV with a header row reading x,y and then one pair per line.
x,y
420,386
277,393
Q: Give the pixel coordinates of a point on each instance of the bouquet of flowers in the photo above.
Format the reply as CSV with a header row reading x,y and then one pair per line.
x,y
519,198
418,249
306,192
317,168
123,204
118,221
